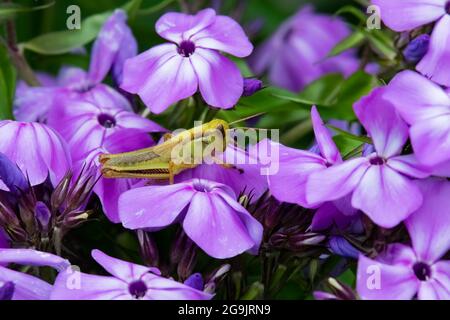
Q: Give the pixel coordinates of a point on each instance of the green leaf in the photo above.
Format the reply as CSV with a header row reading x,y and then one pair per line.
x,y
7,84
61,42
155,8
346,145
349,135
352,41
354,11
382,44
10,10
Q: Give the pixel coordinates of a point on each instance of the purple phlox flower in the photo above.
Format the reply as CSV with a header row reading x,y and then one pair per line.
x,y
86,125
380,183
245,175
417,48
36,149
403,271
289,184
109,190
297,53
115,43
406,15
208,212
25,286
425,106
128,281
170,72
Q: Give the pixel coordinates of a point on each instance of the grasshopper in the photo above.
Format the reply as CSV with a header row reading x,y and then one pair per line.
x,y
169,158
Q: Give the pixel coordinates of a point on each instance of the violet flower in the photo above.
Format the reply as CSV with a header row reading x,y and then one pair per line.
x,y
297,53
403,271
425,106
168,73
114,44
407,15
380,184
289,184
86,125
208,212
38,151
129,281
21,286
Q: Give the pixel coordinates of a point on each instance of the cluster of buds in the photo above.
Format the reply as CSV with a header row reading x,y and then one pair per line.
x,y
39,216
337,291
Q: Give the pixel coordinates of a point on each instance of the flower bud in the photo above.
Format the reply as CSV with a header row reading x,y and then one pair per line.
x,y
7,290
342,247
251,86
12,176
42,215
195,281
417,48
149,250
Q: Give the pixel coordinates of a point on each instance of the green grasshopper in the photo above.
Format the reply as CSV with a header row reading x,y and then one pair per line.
x,y
169,158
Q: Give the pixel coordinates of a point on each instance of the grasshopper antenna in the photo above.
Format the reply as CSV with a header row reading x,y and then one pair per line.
x,y
247,118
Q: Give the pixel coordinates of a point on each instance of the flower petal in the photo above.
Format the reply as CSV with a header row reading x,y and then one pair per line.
x,y
216,227
31,257
295,166
431,140
328,216
328,148
380,119
386,196
226,35
416,98
335,182
155,76
379,281
409,166
176,27
166,289
436,63
75,285
27,287
405,15
428,226
220,81
166,204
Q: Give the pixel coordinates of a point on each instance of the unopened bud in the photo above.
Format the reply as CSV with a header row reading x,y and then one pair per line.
x,y
251,86
195,281
42,215
7,290
417,48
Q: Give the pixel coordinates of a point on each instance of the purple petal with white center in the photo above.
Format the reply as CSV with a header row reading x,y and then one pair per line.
x,y
382,122
379,281
433,290
106,97
405,15
128,50
428,226
176,73
409,166
176,27
328,148
435,65
167,289
295,166
386,196
25,107
216,227
335,182
11,176
416,98
220,81
226,35
135,213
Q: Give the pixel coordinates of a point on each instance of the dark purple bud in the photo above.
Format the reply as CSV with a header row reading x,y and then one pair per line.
x,y
27,206
195,281
216,277
251,86
12,176
75,218
340,290
417,48
7,290
306,239
43,216
60,193
322,295
342,247
149,250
